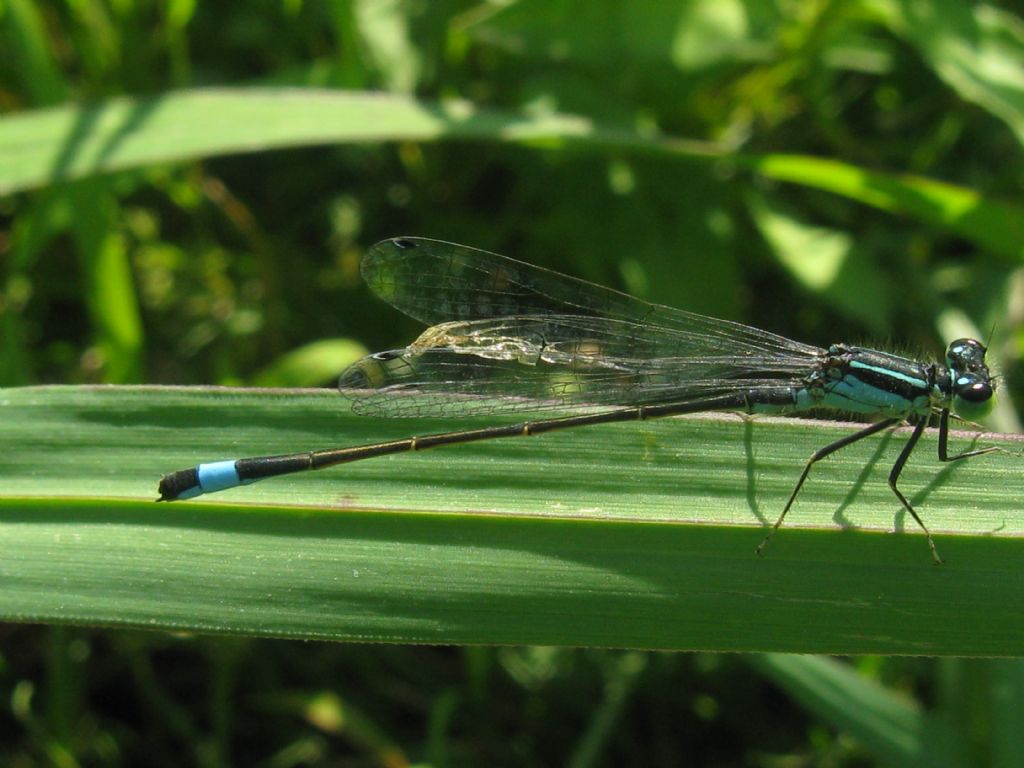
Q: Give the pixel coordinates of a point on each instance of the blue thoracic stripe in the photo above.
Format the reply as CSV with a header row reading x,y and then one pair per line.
x,y
906,379
854,395
851,393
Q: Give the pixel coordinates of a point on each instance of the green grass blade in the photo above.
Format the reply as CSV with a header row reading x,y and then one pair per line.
x,y
108,285
73,141
894,728
991,224
632,535
23,30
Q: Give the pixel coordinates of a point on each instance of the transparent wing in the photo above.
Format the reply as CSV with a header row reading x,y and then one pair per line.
x,y
437,282
546,362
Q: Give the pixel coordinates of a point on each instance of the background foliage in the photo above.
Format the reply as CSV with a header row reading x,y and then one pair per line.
x,y
857,178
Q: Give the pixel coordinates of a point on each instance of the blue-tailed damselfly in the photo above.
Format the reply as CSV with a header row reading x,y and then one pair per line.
x,y
508,337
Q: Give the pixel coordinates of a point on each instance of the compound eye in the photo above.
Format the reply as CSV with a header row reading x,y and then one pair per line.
x,y
966,354
973,389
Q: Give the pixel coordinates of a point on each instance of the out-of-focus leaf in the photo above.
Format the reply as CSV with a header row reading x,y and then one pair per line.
x,y
826,262
23,31
72,141
383,25
607,34
977,49
992,224
113,305
895,728
310,365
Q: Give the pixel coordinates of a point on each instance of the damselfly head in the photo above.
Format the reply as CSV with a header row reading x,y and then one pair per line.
x,y
971,381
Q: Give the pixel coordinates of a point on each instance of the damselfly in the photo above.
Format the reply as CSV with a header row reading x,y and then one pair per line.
x,y
507,337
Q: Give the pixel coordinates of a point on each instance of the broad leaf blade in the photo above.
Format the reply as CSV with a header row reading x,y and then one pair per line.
x,y
636,535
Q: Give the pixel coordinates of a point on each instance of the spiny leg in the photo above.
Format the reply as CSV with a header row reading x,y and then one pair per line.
x,y
943,456
820,454
944,439
894,475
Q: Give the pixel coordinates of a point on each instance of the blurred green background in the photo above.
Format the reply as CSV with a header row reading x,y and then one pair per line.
x,y
851,171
